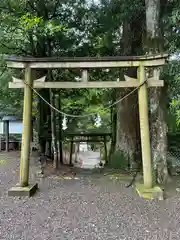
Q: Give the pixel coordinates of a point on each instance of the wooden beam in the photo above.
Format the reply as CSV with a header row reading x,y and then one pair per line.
x,y
154,56
17,80
155,78
127,78
86,64
101,84
6,123
156,73
14,58
42,79
144,129
85,75
26,134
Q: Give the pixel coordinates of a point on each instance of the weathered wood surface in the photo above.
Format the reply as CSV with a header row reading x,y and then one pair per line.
x,y
26,134
85,76
85,59
87,137
17,80
84,134
6,123
144,129
85,62
101,84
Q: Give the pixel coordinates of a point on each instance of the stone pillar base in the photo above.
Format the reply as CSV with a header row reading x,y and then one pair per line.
x,y
28,191
150,193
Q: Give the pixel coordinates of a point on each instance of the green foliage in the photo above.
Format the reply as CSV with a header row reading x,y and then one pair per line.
x,y
84,103
118,160
175,108
171,26
39,26
74,28
171,75
10,100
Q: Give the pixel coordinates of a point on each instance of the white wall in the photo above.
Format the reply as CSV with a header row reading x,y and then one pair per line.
x,y
1,127
14,127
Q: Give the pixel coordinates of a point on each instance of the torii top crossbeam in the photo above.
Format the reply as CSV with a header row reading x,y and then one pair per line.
x,y
85,62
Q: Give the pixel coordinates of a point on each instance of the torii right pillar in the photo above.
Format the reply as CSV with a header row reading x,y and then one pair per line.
x,y
146,190
144,128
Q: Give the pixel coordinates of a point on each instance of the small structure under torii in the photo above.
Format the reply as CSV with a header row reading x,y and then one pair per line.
x,y
85,63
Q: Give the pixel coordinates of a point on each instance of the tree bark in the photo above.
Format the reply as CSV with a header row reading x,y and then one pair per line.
x,y
59,117
54,133
113,125
44,113
126,127
127,133
157,97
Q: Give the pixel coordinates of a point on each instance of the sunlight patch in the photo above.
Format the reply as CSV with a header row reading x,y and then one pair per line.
x,y
3,162
66,178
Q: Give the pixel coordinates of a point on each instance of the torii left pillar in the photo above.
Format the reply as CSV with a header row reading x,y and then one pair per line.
x,y
23,188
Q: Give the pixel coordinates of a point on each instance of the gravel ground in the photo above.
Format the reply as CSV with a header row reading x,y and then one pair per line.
x,y
88,208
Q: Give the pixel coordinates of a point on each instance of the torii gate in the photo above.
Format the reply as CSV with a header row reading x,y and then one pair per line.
x,y
29,63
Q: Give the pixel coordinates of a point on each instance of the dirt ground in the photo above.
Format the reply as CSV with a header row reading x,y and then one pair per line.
x,y
87,206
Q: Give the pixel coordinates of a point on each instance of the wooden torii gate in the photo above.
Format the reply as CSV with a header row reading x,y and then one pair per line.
x,y
84,63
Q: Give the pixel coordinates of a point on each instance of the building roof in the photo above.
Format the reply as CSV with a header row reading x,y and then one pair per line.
x,y
10,118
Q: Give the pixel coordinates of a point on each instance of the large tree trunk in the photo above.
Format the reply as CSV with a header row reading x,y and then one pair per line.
x,y
113,125
43,113
125,144
44,124
127,133
157,100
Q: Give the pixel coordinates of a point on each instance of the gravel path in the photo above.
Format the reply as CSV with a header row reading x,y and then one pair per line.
x,y
87,208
